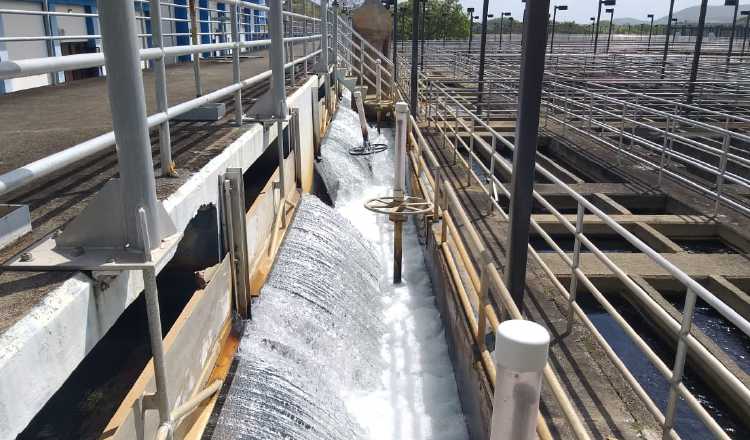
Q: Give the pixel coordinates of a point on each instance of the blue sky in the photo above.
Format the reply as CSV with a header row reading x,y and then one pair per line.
x,y
581,10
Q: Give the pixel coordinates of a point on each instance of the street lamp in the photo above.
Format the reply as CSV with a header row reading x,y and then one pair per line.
x,y
503,14
650,32
592,29
470,11
747,25
510,31
598,18
554,17
611,12
736,4
674,31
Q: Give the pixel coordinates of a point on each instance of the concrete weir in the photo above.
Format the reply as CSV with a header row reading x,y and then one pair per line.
x,y
56,334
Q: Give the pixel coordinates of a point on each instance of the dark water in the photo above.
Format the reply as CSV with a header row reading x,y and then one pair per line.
x,y
605,243
688,426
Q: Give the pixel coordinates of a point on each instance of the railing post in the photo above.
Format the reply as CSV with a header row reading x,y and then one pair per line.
x,y
235,64
679,362
573,289
128,106
492,174
622,133
664,148
722,172
520,357
323,66
194,41
486,262
378,79
471,150
160,75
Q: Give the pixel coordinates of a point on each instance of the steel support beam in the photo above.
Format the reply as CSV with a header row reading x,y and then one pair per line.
x,y
482,54
697,51
524,155
128,105
413,90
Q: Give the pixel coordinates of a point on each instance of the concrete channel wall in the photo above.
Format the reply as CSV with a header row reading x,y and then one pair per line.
x,y
41,350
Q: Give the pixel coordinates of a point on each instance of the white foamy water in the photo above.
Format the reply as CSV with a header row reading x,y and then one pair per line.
x,y
416,397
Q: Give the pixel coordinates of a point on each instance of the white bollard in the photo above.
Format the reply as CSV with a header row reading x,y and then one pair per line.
x,y
520,356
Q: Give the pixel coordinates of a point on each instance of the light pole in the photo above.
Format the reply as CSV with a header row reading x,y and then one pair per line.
x,y
611,12
650,32
424,22
510,31
747,27
554,19
736,4
674,32
697,51
598,18
666,42
483,52
471,26
503,14
592,19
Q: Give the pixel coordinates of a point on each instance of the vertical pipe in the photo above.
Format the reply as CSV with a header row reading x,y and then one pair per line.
x,y
422,32
194,41
482,54
414,59
552,37
679,363
324,47
394,58
697,52
128,105
402,121
520,357
666,42
47,22
160,75
596,33
235,63
731,36
157,344
278,91
524,155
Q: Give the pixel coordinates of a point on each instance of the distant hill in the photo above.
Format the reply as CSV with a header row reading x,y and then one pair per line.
x,y
714,14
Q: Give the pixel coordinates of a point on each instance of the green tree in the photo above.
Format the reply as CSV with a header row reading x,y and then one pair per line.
x,y
443,19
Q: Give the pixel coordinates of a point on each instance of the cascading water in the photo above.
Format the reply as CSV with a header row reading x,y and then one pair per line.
x,y
335,350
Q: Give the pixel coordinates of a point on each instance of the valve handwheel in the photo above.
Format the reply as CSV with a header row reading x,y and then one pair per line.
x,y
406,205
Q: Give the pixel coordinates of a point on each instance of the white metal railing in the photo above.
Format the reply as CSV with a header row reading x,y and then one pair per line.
x,y
451,118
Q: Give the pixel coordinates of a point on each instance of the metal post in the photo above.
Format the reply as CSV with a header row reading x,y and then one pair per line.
x,y
399,185
679,363
335,40
596,32
552,37
573,288
128,106
666,41
155,335
414,60
235,64
324,48
520,356
500,44
482,54
424,23
194,41
394,58
524,155
744,34
731,35
697,51
278,89
611,19
47,22
160,75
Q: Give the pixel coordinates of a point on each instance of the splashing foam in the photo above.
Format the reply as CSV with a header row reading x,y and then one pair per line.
x,y
335,351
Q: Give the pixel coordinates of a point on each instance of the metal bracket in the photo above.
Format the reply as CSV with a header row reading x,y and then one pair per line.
x,y
233,211
97,240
